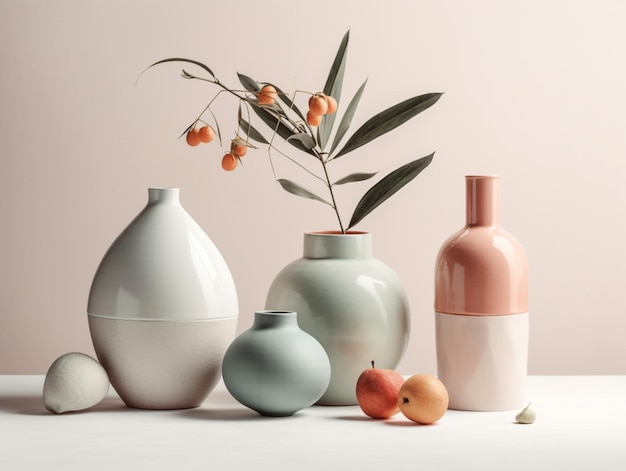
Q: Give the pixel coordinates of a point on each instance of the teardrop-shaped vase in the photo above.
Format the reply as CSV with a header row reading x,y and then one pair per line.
x,y
162,308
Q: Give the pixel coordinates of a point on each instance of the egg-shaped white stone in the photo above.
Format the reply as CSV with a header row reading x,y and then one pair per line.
x,y
74,382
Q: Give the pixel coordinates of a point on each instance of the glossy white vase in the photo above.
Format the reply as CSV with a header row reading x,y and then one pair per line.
x,y
274,367
352,303
162,308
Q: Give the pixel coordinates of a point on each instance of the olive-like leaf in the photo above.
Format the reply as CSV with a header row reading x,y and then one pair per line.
x,y
388,120
333,86
181,59
387,187
251,131
287,101
355,177
305,139
248,83
297,190
277,125
346,120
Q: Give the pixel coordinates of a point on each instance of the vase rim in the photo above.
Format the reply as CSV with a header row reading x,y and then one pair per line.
x,y
338,233
486,177
276,312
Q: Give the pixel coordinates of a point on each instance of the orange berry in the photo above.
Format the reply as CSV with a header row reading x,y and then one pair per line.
x,y
332,104
313,119
318,104
267,95
193,137
238,149
229,162
206,134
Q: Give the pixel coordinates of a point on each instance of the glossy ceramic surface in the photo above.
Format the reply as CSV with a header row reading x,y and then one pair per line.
x,y
352,303
482,360
162,308
482,269
163,266
275,368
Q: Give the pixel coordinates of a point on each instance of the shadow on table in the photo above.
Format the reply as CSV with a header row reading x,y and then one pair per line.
x,y
33,405
241,413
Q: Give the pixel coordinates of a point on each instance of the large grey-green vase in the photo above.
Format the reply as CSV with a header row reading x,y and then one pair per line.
x,y
275,368
352,303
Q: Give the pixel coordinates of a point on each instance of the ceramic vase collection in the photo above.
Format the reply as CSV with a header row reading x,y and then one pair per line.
x,y
162,308
352,303
481,308
274,367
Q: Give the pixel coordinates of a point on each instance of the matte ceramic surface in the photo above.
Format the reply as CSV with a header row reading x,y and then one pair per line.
x,y
352,303
482,360
162,364
275,368
162,308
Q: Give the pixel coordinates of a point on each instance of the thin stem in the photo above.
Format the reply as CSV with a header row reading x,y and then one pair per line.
x,y
332,196
282,118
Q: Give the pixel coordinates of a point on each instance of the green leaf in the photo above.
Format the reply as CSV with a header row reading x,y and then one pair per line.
x,y
250,131
269,117
346,120
388,120
355,177
248,83
297,190
387,187
305,139
333,86
287,101
180,59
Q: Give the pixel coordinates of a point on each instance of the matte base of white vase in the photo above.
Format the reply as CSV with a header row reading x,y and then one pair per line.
x,y
482,360
162,364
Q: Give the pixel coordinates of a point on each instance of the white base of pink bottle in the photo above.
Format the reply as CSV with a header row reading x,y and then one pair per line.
x,y
483,360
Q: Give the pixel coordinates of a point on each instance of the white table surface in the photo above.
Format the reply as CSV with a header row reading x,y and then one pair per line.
x,y
581,425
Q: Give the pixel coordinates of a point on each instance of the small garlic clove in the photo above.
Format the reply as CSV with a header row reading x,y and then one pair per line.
x,y
526,416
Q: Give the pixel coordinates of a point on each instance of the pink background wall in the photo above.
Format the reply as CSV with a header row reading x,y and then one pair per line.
x,y
534,91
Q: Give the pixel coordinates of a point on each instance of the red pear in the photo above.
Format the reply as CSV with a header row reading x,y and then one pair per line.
x,y
377,392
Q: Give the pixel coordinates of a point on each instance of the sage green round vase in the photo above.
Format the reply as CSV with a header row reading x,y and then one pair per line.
x,y
352,303
275,368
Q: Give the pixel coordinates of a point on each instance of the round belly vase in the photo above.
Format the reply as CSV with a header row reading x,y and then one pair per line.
x,y
353,304
274,367
162,308
481,308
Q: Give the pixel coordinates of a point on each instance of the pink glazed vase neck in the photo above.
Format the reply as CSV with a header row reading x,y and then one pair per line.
x,y
482,195
482,269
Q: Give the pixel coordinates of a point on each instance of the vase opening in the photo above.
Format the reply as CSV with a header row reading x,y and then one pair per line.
x,y
163,195
273,312
338,233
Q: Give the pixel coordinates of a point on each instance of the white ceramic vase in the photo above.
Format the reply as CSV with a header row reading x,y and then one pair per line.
x,y
274,367
162,308
352,303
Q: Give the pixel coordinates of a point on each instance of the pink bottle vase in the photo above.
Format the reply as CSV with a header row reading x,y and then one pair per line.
x,y
481,308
